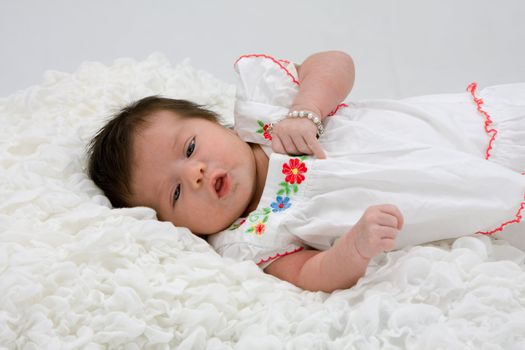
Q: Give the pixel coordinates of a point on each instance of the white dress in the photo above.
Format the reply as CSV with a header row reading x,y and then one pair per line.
x,y
454,164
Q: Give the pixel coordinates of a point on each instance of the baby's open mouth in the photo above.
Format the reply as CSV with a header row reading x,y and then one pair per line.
x,y
218,184
222,185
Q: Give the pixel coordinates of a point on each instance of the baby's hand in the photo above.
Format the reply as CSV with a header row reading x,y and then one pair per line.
x,y
296,136
377,229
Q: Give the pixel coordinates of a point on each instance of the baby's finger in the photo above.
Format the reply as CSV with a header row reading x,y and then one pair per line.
x,y
301,145
316,148
387,220
277,145
387,232
393,210
288,144
388,244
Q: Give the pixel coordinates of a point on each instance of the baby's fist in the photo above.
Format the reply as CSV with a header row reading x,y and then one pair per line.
x,y
377,229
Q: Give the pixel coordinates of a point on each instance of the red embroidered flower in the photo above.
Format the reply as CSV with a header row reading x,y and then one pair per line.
x,y
264,130
259,228
266,133
294,171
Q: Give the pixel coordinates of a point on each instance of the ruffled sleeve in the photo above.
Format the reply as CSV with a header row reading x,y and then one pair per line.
x,y
266,88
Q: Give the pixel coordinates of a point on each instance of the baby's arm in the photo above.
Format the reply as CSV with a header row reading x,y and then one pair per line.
x,y
346,261
325,78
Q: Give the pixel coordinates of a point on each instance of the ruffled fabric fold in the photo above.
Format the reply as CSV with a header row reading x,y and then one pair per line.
x,y
502,108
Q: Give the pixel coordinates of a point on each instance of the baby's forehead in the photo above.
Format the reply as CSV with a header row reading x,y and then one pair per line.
x,y
163,116
151,147
161,121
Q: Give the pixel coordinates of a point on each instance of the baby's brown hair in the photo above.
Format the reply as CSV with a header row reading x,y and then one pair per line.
x,y
111,152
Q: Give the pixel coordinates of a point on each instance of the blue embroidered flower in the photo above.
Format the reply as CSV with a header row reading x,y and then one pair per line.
x,y
280,204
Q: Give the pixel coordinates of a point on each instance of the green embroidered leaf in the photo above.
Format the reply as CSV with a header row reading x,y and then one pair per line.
x,y
265,219
250,230
286,187
295,188
266,211
260,131
281,191
261,124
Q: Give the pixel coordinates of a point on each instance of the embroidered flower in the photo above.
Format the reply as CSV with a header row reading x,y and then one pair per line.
x,y
257,221
266,133
294,170
258,228
264,130
280,204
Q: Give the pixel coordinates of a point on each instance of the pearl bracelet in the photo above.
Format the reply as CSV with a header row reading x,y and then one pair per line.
x,y
302,114
311,116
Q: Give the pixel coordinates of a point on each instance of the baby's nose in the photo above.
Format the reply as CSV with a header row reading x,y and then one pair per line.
x,y
195,174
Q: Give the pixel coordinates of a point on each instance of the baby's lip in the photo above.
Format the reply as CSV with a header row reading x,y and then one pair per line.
x,y
220,184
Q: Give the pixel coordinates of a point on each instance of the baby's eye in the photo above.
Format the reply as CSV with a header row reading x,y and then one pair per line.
x,y
176,194
191,148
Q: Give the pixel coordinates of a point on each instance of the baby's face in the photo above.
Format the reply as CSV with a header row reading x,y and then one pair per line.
x,y
193,172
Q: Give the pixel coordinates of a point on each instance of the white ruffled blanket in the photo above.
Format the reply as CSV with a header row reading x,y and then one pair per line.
x,y
75,273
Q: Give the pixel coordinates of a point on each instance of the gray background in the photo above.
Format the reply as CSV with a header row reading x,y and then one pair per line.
x,y
401,48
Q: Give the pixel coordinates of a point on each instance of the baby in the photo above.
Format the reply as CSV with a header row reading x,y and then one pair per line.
x,y
299,185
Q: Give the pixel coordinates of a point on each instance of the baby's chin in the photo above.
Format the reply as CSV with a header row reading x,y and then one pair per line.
x,y
211,229
216,222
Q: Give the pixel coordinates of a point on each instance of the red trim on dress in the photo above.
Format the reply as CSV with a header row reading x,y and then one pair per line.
x,y
342,105
276,61
279,256
492,132
515,221
488,122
